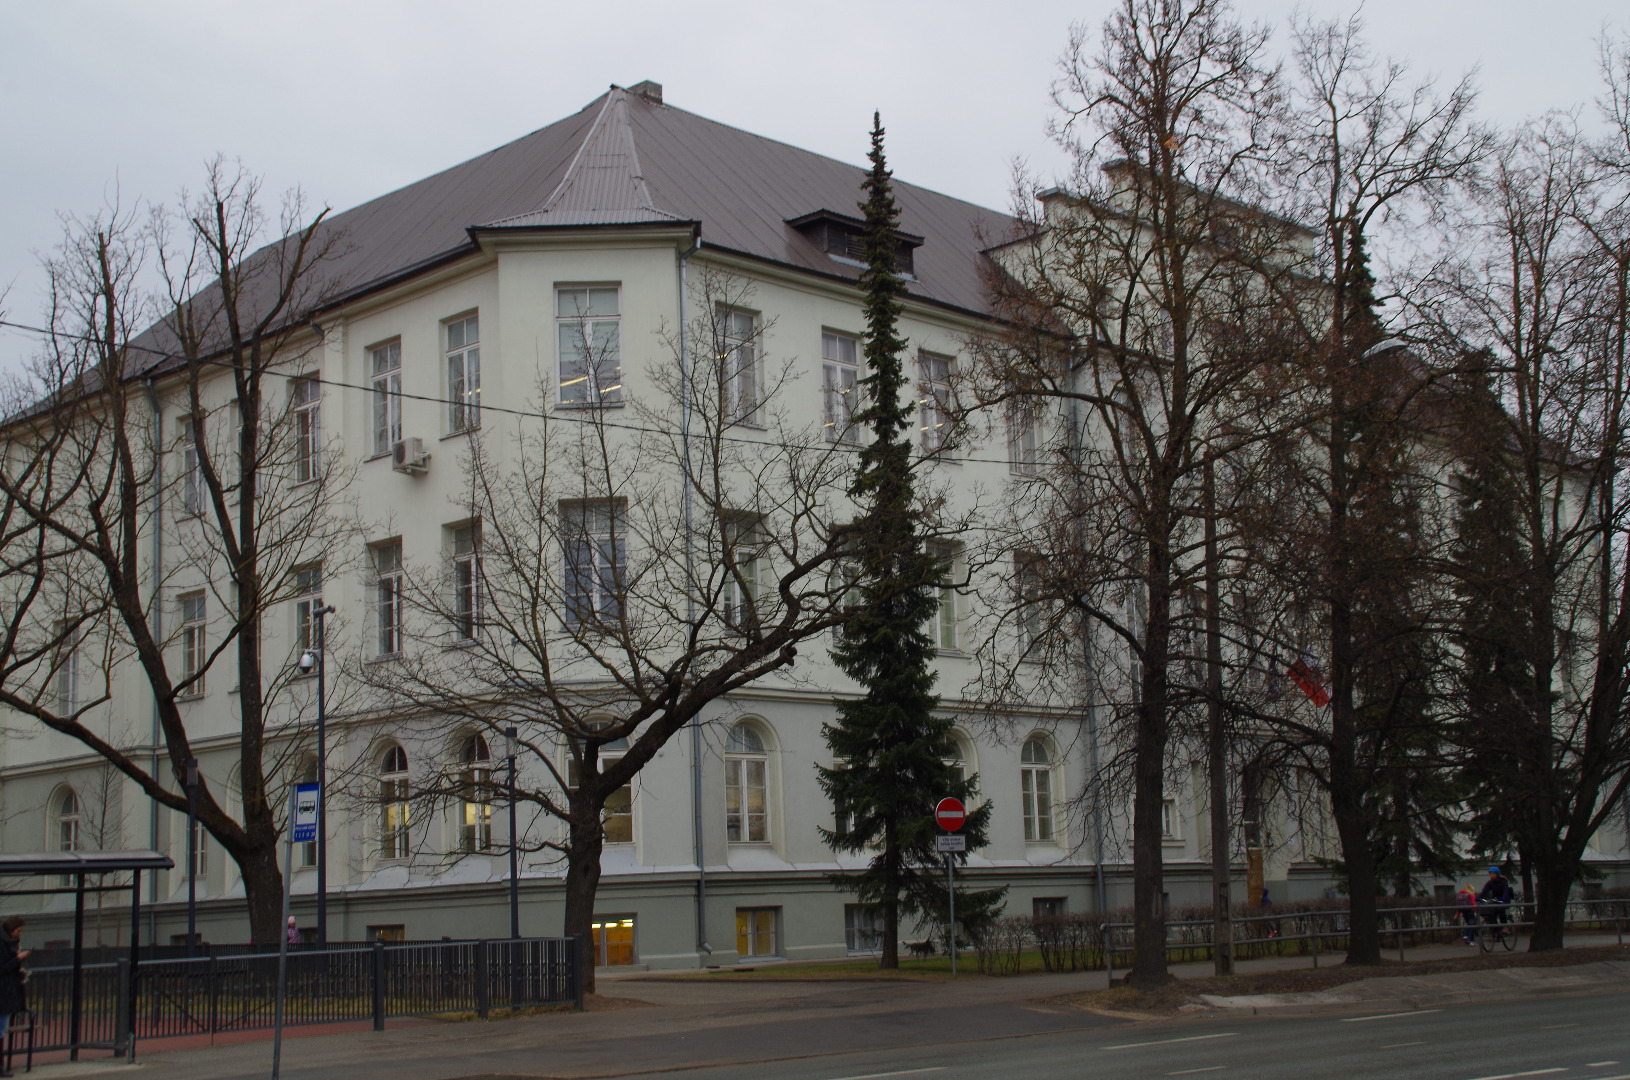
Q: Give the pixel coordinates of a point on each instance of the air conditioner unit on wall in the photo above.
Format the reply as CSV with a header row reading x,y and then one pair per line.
x,y
408,456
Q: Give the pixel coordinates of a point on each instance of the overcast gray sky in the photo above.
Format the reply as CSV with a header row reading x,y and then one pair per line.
x,y
352,98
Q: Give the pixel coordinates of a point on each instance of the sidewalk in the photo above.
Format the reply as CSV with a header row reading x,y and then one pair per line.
x,y
640,1025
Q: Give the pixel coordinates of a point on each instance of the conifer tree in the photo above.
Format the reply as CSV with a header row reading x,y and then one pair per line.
x,y
893,751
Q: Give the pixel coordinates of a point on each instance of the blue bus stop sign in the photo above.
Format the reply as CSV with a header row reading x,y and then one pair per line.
x,y
305,813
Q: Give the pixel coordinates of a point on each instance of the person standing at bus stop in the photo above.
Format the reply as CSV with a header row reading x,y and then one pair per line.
x,y
12,1000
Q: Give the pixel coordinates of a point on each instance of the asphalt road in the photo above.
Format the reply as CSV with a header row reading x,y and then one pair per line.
x,y
1587,1038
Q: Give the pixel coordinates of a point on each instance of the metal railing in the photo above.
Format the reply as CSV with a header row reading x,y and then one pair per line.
x,y
345,983
1316,932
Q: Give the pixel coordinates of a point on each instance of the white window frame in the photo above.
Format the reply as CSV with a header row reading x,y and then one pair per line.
x,y
623,810
475,807
947,615
308,592
385,373
1171,823
466,559
840,386
740,598
583,326
386,559
934,403
306,404
395,807
594,551
1036,788
738,364
862,929
1030,610
747,772
462,338
1023,450
65,682
192,473
194,640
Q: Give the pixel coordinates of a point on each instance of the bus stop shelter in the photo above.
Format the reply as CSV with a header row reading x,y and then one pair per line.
x,y
79,865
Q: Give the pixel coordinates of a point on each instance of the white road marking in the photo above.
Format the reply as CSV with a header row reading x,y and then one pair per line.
x,y
1599,1064
901,1072
1557,1027
1400,1046
1208,1068
1163,1042
1388,1016
1513,1076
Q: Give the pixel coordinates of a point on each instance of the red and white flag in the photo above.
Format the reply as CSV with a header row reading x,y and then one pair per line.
x,y
1310,681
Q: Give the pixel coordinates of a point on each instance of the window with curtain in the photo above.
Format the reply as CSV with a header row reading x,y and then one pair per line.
x,y
463,375
394,813
596,556
1036,775
588,329
475,805
746,770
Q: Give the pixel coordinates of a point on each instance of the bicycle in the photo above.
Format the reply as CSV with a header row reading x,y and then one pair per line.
x,y
1492,927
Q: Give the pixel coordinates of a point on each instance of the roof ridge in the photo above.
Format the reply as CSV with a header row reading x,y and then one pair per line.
x,y
828,157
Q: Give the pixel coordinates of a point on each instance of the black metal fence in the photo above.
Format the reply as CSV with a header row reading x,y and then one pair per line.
x,y
344,983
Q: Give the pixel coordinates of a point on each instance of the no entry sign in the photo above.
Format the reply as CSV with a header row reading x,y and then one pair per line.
x,y
950,815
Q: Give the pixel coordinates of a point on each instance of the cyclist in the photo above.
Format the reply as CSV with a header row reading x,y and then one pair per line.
x,y
1494,902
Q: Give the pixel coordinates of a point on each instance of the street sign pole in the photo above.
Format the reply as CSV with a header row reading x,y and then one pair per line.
x,y
950,814
283,937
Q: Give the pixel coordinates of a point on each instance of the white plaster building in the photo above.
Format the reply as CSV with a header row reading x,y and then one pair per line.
x,y
457,288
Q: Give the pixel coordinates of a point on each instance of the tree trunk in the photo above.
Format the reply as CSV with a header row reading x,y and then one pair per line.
x,y
1149,771
1552,883
1346,806
582,882
263,892
1222,925
890,958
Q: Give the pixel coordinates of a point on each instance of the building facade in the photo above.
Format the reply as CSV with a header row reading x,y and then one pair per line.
x,y
484,302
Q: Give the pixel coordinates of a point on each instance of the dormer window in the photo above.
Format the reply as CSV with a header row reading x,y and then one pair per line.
x,y
843,239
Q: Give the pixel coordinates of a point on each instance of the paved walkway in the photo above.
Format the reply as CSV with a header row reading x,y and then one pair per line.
x,y
655,1024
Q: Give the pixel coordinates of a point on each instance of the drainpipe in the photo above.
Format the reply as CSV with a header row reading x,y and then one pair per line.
x,y
1090,690
690,599
157,615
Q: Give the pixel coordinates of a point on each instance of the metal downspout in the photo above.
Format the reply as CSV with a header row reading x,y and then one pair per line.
x,y
1090,689
157,617
690,598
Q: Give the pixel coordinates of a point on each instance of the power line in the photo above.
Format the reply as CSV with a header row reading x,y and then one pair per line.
x,y
835,446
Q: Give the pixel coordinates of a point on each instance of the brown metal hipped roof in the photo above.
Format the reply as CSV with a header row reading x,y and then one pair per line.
x,y
626,160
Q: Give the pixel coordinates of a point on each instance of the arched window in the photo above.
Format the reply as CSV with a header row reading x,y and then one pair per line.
x,y
961,760
475,804
67,823
746,778
617,815
393,804
1036,771
68,820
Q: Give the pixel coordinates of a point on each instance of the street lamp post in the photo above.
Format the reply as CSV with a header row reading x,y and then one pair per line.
x,y
192,855
307,662
511,741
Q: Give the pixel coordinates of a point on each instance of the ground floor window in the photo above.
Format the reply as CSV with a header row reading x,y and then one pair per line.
x,y
391,932
862,928
756,931
613,941
1043,907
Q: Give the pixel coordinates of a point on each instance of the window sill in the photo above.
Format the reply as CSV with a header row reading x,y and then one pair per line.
x,y
459,434
383,658
952,651
197,695
578,405
377,457
461,643
765,844
1171,841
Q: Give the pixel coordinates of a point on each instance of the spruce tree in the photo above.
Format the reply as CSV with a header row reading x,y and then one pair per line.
x,y
893,751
